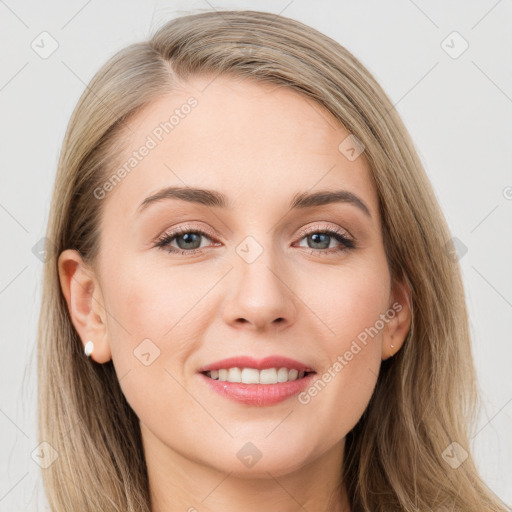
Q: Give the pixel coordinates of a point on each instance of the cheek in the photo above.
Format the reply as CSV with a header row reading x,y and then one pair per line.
x,y
154,301
347,301
351,306
172,307
156,321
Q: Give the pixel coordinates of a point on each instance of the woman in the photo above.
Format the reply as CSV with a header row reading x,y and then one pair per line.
x,y
252,300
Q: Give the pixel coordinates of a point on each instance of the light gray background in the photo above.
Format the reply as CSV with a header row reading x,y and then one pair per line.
x,y
458,110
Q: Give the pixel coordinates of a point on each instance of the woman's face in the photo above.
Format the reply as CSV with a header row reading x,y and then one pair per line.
x,y
255,276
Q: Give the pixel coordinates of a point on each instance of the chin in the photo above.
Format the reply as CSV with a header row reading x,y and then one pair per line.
x,y
249,461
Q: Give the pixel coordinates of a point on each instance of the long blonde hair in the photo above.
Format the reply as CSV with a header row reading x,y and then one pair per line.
x,y
426,395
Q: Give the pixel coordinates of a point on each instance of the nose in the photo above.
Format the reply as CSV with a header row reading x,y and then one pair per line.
x,y
260,296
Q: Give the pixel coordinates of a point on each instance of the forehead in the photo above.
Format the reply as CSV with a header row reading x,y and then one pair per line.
x,y
259,144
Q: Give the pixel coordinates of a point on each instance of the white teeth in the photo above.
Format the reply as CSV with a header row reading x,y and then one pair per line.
x,y
234,375
250,376
253,376
283,374
268,376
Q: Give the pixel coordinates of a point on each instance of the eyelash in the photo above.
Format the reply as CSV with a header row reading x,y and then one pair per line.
x,y
164,241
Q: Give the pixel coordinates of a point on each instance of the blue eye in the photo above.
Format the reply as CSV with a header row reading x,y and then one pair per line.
x,y
186,238
189,241
325,237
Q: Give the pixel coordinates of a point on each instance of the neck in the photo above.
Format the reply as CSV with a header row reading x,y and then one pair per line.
x,y
178,483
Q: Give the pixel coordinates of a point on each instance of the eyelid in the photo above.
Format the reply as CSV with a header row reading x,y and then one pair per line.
x,y
318,227
347,240
185,229
303,232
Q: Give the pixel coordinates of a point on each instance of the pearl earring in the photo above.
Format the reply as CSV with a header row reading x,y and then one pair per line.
x,y
89,346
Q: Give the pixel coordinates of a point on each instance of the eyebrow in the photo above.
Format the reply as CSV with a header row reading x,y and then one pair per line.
x,y
213,198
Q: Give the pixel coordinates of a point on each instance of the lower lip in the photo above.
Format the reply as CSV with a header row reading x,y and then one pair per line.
x,y
258,394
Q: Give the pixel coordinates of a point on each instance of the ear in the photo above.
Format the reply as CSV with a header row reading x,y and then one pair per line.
x,y
85,303
398,326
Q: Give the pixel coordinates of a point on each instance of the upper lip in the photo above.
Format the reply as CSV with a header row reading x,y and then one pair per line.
x,y
258,364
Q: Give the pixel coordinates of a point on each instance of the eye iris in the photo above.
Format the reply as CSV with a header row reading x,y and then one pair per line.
x,y
316,236
189,238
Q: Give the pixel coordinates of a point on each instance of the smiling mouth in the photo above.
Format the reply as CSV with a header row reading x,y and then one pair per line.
x,y
254,376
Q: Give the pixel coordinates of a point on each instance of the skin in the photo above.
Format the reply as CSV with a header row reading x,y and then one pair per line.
x,y
259,145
